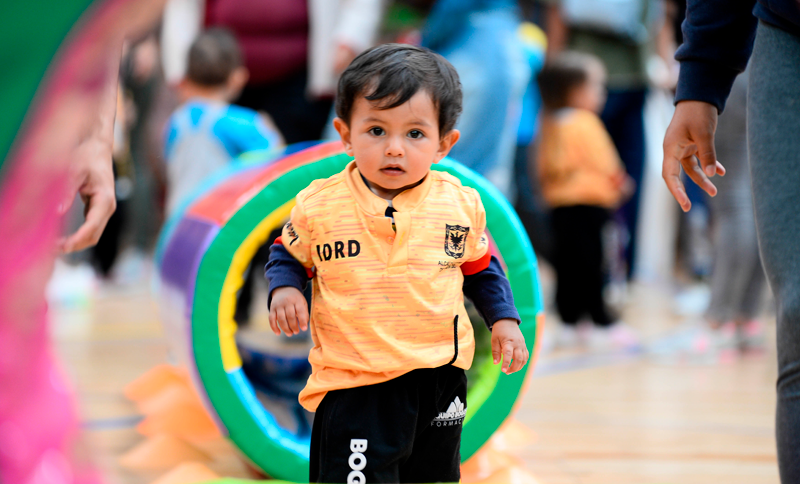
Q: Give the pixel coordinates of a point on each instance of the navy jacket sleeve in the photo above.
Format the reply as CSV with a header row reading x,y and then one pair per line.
x,y
284,270
718,40
490,292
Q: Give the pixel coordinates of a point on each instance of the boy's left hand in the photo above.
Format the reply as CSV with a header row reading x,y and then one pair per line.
x,y
508,342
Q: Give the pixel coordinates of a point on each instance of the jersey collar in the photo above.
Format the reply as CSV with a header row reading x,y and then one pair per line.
x,y
375,205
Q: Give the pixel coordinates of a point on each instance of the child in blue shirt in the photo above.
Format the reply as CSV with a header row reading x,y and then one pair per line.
x,y
206,133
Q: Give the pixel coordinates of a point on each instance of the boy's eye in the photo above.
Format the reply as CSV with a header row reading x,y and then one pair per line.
x,y
376,131
415,134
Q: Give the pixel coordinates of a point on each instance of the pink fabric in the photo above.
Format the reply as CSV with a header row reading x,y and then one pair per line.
x,y
38,423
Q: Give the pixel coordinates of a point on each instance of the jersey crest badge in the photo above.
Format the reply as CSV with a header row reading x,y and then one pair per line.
x,y
455,238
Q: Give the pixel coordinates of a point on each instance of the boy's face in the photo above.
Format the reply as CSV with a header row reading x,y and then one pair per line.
x,y
591,95
395,148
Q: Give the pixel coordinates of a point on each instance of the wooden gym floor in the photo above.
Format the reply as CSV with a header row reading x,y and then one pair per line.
x,y
660,416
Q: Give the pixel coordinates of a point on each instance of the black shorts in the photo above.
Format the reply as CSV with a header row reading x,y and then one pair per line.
x,y
403,430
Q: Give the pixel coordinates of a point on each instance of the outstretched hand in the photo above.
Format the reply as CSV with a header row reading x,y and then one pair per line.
x,y
288,311
689,143
91,172
508,343
92,177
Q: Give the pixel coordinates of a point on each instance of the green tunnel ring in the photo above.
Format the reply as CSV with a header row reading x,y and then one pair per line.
x,y
490,401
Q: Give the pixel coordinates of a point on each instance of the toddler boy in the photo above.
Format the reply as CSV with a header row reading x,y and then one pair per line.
x,y
393,247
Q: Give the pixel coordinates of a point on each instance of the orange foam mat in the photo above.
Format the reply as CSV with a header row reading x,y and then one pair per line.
x,y
511,475
161,452
485,463
189,421
188,473
512,437
245,481
155,380
170,396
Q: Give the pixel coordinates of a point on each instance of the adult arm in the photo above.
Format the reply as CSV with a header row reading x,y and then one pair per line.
x,y
91,171
718,39
356,30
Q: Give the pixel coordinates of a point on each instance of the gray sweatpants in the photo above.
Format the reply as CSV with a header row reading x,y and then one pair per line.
x,y
737,279
773,126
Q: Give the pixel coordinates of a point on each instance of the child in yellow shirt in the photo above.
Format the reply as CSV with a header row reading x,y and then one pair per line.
x,y
393,248
582,179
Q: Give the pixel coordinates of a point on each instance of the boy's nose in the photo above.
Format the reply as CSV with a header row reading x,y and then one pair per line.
x,y
394,146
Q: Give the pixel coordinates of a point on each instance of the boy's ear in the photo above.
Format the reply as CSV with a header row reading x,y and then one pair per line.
x,y
237,81
184,89
446,142
344,133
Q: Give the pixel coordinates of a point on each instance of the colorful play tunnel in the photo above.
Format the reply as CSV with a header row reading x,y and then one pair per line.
x,y
206,249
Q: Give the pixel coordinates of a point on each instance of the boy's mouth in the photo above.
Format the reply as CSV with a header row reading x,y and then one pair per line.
x,y
392,170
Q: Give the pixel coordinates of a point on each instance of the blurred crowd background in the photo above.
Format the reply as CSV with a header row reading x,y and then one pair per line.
x,y
587,188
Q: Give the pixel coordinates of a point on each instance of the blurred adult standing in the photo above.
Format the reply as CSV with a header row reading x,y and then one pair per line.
x,y
737,278
619,33
294,51
141,78
530,205
480,38
719,37
61,148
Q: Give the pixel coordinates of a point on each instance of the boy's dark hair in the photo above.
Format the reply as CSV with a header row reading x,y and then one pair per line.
x,y
390,74
213,57
560,76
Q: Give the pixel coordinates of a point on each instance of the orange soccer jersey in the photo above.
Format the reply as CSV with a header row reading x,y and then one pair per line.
x,y
577,161
386,300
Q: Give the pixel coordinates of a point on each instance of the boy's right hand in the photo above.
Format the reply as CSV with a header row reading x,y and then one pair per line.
x,y
288,311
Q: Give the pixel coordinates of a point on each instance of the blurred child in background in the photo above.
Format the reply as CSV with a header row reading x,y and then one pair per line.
x,y
206,132
582,178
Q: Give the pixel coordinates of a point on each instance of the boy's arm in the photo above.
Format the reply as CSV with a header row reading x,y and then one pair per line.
x,y
290,258
288,312
485,283
284,270
489,290
288,270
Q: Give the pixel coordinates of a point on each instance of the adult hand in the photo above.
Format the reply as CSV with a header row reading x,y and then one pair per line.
x,y
91,177
508,343
91,172
343,55
689,143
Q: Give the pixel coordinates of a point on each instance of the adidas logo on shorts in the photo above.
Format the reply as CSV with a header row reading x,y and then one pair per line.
x,y
453,416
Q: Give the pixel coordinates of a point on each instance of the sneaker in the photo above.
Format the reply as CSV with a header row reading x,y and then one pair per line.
x,y
750,336
723,337
567,336
617,336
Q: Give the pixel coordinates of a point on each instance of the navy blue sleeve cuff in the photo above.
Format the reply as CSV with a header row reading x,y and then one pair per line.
x,y
284,270
703,81
490,292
